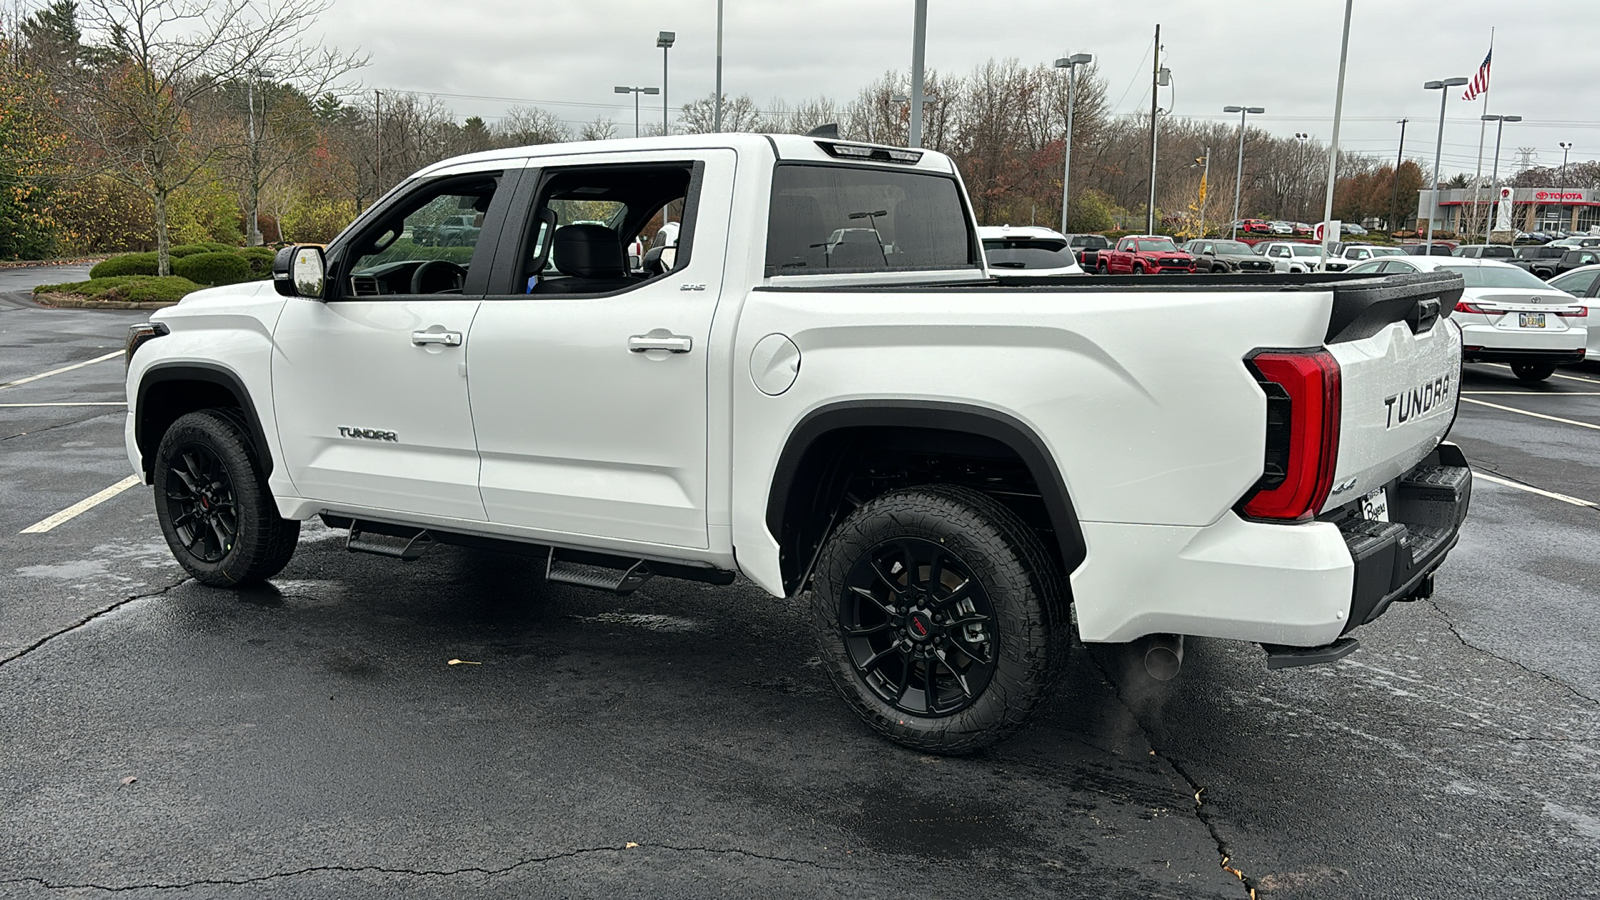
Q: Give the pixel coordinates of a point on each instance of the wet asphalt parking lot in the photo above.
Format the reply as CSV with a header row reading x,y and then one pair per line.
x,y
310,739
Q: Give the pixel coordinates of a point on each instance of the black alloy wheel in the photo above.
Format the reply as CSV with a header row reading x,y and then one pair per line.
x,y
919,627
213,503
939,617
200,502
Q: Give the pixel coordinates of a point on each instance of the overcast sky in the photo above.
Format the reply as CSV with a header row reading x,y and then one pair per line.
x,y
566,56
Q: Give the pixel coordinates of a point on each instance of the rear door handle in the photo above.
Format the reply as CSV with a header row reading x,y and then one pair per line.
x,y
447,338
672,343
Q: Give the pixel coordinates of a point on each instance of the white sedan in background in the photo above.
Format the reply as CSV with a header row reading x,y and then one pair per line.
x,y
1584,284
1506,314
1027,250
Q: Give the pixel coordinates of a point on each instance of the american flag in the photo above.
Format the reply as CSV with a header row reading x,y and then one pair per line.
x,y
1480,82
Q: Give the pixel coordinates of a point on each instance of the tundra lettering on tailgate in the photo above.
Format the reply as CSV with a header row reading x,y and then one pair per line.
x,y
1407,405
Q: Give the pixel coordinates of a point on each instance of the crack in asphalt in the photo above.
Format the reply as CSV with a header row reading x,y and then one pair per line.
x,y
62,425
414,873
1200,812
1433,604
86,620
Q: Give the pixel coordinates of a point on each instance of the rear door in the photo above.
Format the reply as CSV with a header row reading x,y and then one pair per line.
x,y
589,396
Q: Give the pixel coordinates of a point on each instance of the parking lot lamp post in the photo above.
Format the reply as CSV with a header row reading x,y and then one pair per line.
x,y
1494,176
1071,64
636,91
1438,152
664,41
1566,147
1238,176
716,115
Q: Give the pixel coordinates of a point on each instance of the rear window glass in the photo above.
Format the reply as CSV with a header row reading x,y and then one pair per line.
x,y
837,218
1495,276
1040,253
1091,242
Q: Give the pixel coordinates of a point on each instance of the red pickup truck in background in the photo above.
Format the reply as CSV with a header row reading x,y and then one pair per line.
x,y
1141,254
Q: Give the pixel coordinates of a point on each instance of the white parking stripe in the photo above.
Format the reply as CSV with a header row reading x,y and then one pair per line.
x,y
1504,393
96,403
1533,414
82,506
1476,473
89,362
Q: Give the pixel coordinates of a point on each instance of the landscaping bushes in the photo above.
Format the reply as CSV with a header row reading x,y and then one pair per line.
x,y
213,268
132,278
126,264
125,289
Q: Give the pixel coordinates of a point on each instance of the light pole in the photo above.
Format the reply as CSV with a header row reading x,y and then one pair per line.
x,y
1494,178
1399,160
664,41
1566,147
919,41
636,91
1204,164
1238,177
1438,152
1300,138
716,115
1071,64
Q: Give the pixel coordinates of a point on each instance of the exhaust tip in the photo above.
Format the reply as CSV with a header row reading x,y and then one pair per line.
x,y
1162,655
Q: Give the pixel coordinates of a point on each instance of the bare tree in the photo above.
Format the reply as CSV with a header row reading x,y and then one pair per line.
x,y
601,129
138,113
738,114
527,125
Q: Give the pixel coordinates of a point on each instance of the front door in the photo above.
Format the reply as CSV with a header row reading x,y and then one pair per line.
x,y
370,385
589,378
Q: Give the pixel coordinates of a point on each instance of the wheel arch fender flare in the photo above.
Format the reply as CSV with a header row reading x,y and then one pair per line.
x,y
955,418
195,373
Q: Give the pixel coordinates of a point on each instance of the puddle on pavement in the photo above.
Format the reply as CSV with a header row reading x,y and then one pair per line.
x,y
942,828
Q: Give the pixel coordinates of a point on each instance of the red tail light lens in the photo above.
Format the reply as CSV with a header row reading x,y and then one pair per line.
x,y
1303,409
1464,306
1578,313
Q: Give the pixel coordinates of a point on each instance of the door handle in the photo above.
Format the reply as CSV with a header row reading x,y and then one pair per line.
x,y
672,343
447,338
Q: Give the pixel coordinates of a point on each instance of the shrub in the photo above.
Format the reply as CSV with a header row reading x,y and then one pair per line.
x,y
134,288
212,268
260,260
127,264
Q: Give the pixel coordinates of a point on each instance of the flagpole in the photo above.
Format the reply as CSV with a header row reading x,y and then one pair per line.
x,y
1483,124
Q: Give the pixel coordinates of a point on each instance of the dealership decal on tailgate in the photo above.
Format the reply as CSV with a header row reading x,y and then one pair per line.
x,y
1407,405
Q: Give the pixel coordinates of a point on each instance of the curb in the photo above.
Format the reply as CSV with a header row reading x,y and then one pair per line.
x,y
68,301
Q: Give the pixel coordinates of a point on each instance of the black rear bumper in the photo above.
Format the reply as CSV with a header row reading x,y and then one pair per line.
x,y
1395,560
1490,354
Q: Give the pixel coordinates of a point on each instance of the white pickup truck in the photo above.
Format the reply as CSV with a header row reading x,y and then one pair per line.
x,y
940,463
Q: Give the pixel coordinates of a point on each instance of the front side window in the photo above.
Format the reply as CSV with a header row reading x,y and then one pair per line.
x,y
424,244
827,218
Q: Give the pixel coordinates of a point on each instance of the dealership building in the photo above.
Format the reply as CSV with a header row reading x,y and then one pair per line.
x,y
1532,209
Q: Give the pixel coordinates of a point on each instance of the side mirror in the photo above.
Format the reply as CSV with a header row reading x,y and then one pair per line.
x,y
300,271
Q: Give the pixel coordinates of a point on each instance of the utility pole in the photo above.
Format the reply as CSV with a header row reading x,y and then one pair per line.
x,y
919,38
1155,78
1561,190
377,143
664,41
1333,145
716,117
1399,160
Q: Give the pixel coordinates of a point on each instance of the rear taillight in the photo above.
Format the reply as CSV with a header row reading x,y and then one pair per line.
x,y
1578,313
1464,306
1303,407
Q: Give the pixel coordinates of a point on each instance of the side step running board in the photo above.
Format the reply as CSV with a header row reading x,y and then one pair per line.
x,y
600,578
1283,657
402,547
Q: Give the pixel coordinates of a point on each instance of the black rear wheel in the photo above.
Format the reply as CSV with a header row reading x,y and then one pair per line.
x,y
939,617
213,503
1532,371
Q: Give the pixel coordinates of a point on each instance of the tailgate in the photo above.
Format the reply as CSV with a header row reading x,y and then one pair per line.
x,y
1400,368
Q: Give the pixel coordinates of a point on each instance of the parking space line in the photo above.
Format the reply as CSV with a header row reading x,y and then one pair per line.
x,y
82,506
1533,414
83,403
1478,473
1553,375
88,362
1506,393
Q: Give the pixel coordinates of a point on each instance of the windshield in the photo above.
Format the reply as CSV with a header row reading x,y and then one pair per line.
x,y
1235,247
1162,246
1495,277
1387,251
1306,250
1032,253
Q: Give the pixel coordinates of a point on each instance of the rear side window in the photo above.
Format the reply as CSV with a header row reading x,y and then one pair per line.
x,y
837,218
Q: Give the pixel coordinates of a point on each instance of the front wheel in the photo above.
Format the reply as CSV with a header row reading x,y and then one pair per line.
x,y
1532,372
939,618
213,503
1138,269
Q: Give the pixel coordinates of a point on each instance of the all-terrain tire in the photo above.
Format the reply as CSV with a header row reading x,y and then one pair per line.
x,y
249,545
1031,629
